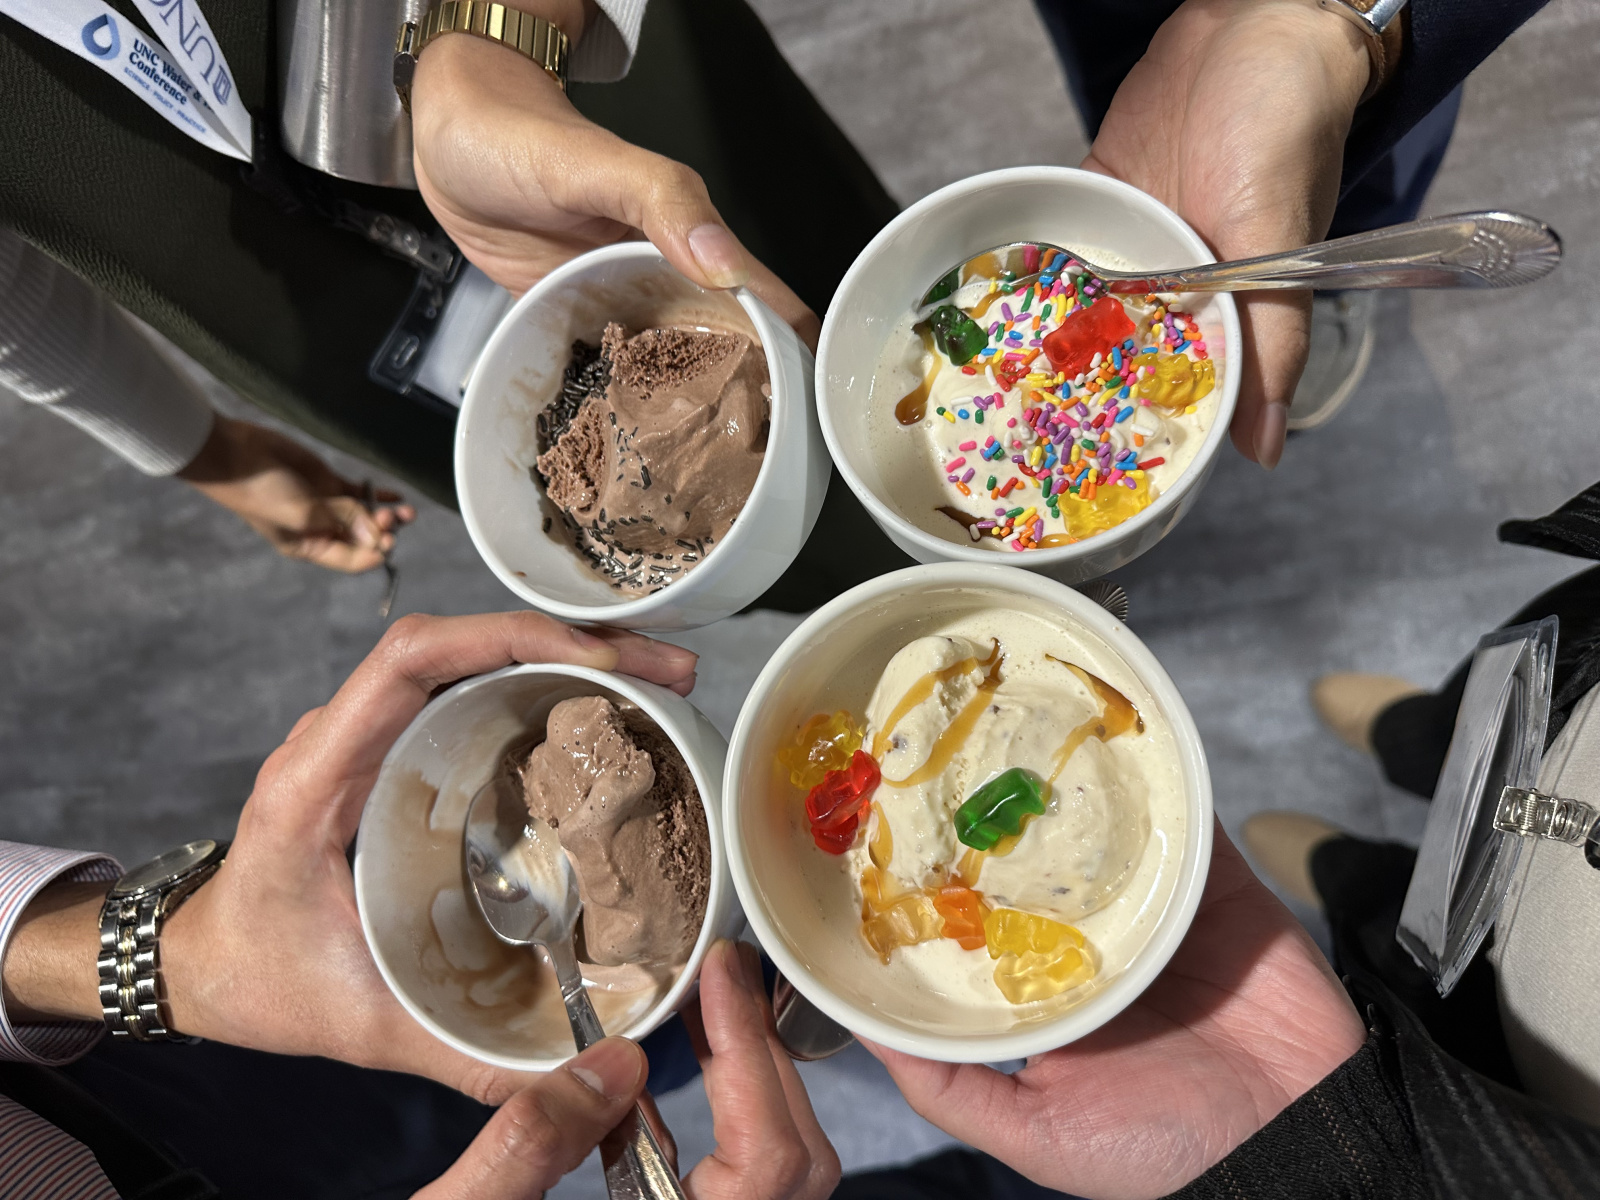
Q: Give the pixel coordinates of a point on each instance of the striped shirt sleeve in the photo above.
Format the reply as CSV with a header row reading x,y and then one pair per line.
x,y
24,873
40,1162
605,51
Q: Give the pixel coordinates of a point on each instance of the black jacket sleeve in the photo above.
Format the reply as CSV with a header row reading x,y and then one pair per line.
x,y
1402,1120
1446,41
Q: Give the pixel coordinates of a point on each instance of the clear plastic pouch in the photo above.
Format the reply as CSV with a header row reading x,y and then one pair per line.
x,y
1485,806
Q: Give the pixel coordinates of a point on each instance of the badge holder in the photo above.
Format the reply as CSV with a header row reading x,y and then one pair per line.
x,y
1485,807
435,344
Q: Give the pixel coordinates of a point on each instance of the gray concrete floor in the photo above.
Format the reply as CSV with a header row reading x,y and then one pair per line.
x,y
152,651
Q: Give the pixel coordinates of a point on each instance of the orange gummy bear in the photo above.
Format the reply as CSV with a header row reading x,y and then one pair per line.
x,y
962,910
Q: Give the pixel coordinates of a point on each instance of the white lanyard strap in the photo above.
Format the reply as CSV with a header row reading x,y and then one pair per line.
x,y
163,71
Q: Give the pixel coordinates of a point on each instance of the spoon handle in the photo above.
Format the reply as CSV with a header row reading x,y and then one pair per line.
x,y
1475,250
641,1170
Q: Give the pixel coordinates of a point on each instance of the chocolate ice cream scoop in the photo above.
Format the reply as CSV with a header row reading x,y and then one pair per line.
x,y
652,470
625,806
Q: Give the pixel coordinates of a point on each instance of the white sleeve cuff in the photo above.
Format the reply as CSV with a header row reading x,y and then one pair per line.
x,y
605,52
67,346
25,871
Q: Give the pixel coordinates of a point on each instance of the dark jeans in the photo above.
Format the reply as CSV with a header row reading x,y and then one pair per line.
x,y
1363,884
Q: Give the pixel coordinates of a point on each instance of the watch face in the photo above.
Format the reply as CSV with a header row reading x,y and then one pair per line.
x,y
166,867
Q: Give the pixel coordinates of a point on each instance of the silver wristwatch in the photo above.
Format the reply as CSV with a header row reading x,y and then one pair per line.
x,y
132,998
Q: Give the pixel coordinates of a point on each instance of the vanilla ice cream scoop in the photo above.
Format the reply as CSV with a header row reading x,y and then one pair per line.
x,y
948,715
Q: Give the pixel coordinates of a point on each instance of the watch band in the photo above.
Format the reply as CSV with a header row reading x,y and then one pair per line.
x,y
1381,21
133,999
523,32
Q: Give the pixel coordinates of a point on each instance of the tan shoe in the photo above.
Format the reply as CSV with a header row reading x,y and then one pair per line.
x,y
1349,703
1281,844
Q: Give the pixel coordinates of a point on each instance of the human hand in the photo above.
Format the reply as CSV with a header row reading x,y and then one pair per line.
x,y
1236,117
269,953
1246,1018
769,1145
293,499
522,181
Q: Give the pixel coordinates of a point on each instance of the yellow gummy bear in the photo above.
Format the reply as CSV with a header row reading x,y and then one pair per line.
x,y
1024,978
1038,957
1012,931
1178,382
824,743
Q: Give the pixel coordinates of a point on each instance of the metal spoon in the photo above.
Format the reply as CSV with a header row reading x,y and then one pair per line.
x,y
1475,250
528,894
807,1033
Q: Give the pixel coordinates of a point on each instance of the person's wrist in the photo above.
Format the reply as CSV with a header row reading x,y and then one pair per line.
x,y
1344,53
49,973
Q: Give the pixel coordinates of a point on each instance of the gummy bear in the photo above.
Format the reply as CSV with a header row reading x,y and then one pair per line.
x,y
962,910
1012,931
1025,978
1086,332
998,809
1038,957
906,920
1178,382
957,334
824,743
835,805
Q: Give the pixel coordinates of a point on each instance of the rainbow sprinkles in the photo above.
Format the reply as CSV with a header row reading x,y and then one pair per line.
x,y
1051,409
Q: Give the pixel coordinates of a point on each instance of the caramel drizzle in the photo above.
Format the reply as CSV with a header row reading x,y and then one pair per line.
x,y
1116,717
955,734
913,406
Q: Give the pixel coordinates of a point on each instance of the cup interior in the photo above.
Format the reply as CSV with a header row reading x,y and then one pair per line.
x,y
1111,223
518,532
803,903
496,1002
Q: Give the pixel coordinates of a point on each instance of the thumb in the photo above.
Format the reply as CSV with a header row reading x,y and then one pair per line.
x,y
546,1129
669,204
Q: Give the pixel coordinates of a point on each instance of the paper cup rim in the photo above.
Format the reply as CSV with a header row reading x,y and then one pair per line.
x,y
689,974
768,327
1054,556
1170,930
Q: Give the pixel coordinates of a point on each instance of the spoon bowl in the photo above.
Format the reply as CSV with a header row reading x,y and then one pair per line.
x,y
521,878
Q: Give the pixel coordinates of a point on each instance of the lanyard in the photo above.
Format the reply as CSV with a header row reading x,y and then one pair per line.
x,y
163,71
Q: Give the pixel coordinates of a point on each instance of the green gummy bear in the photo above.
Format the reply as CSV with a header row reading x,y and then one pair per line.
x,y
996,809
957,334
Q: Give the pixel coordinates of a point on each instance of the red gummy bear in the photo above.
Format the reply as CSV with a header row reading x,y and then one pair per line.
x,y
835,805
1087,332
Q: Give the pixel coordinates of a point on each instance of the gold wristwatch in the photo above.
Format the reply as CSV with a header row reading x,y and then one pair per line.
x,y
523,32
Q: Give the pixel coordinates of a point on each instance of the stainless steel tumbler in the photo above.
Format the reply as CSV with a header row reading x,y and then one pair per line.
x,y
336,79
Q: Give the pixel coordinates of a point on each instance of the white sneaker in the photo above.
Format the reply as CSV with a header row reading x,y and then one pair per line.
x,y
1343,328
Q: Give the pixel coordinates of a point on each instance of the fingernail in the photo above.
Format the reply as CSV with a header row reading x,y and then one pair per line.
x,y
1270,429
609,1068
730,962
588,641
719,255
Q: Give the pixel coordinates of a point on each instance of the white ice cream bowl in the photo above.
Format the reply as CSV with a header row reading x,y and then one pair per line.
x,y
520,373
501,1004
803,906
1062,206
